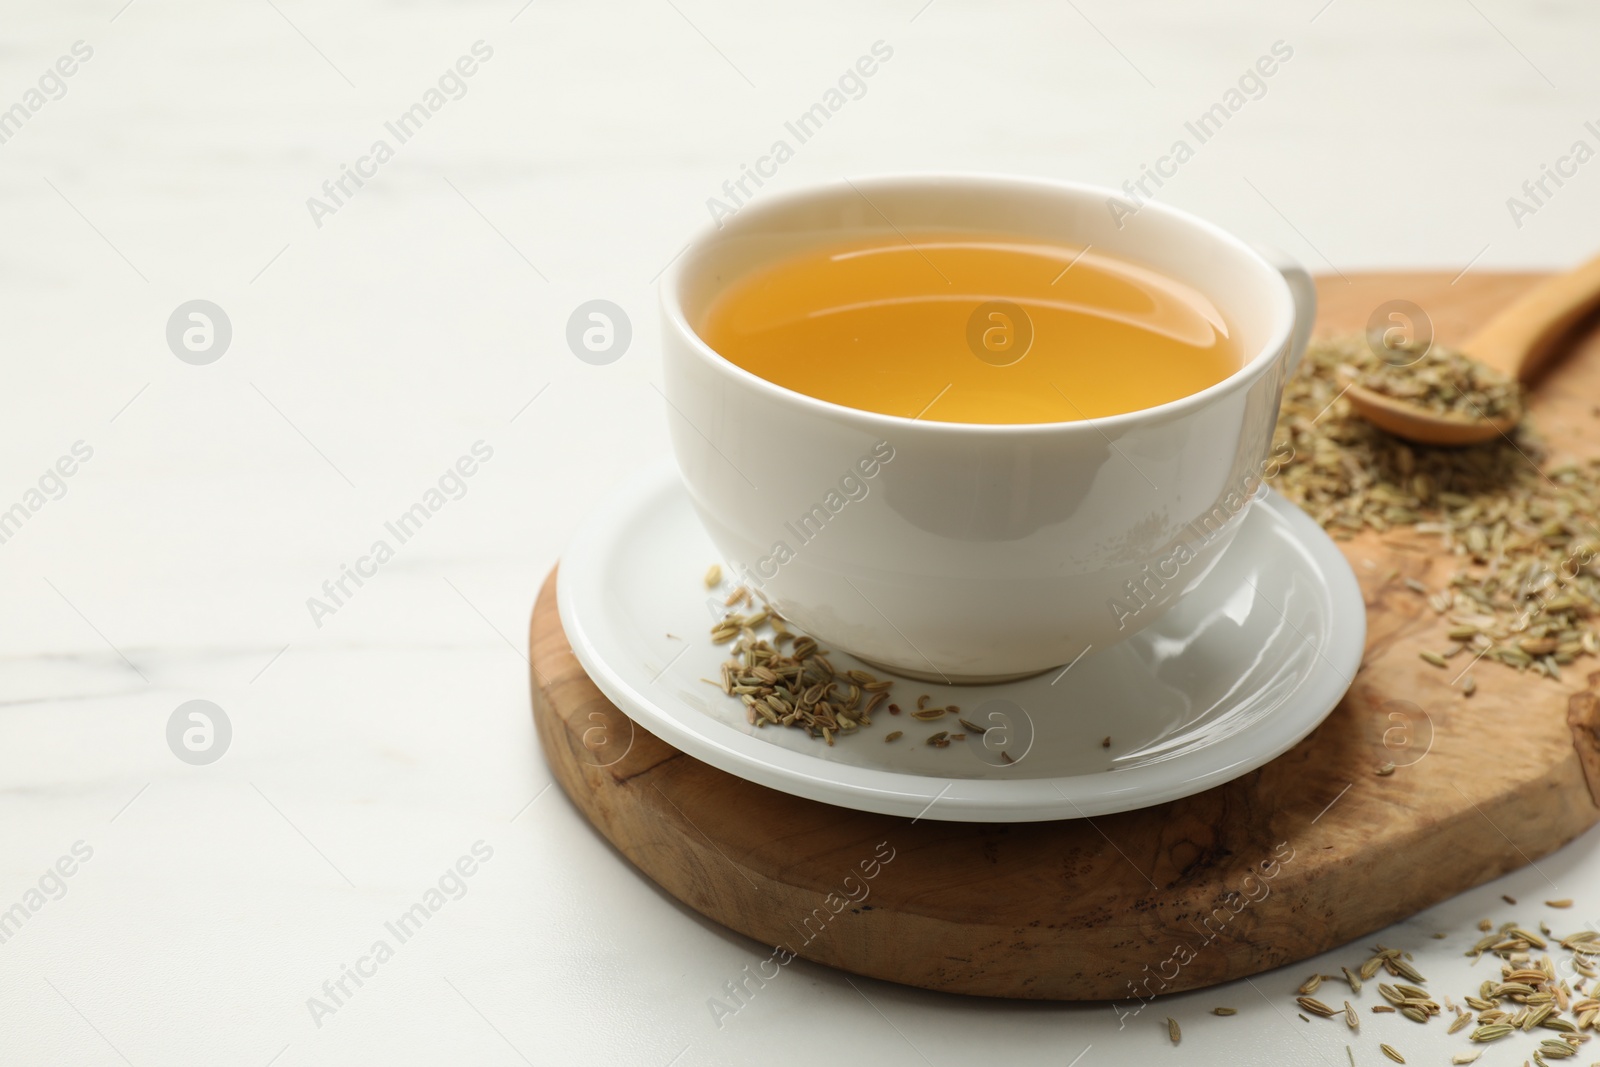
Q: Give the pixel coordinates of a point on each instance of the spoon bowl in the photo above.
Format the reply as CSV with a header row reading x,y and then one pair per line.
x,y
1416,423
1518,342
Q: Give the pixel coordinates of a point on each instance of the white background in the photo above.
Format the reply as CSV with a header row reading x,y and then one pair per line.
x,y
372,351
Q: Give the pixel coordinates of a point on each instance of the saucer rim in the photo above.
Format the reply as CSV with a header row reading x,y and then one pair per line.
x,y
982,800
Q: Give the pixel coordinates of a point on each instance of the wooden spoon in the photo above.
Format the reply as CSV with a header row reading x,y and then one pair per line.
x,y
1519,342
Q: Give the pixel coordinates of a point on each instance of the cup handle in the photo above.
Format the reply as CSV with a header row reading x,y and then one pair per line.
x,y
1304,291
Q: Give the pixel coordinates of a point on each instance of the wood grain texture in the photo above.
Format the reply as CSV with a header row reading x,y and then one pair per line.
x,y
1307,853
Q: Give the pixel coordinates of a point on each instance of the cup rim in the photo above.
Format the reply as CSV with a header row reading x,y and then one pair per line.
x,y
1279,335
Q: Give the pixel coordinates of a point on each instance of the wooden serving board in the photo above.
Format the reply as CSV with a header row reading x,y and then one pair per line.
x,y
1307,853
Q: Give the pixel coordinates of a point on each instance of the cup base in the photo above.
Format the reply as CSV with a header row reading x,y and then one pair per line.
x,y
951,679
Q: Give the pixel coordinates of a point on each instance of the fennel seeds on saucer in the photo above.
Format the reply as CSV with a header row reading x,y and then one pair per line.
x,y
799,686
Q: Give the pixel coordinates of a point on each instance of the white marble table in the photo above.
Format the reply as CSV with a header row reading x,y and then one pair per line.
x,y
377,337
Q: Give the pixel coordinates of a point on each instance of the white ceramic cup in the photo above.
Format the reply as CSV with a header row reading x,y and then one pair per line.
x,y
965,551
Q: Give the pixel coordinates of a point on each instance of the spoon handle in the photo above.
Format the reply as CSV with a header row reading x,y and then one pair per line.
x,y
1523,337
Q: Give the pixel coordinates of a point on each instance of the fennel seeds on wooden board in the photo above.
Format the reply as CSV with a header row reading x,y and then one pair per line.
x,y
1526,589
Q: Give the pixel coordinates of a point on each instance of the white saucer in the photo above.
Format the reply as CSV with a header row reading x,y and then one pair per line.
x,y
1237,673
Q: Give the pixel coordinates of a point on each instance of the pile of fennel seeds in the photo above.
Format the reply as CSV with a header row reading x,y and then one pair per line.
x,y
1429,376
1532,996
799,686
1526,535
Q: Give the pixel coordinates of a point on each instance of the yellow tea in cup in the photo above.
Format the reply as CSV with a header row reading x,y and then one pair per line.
x,y
972,327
